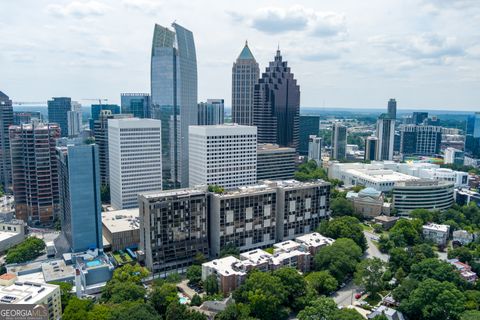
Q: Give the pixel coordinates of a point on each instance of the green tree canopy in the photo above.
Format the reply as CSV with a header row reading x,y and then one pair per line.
x,y
322,282
194,274
161,296
342,207
340,258
211,285
344,227
369,273
27,250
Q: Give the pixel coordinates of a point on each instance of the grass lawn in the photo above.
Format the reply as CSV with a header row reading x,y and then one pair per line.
x,y
367,228
373,300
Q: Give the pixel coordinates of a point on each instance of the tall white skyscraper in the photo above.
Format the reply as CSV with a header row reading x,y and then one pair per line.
x,y
135,155
223,155
385,135
315,149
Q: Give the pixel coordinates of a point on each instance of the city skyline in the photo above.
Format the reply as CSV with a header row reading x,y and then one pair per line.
x,y
334,48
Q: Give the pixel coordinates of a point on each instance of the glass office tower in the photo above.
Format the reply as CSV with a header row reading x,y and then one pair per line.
x,y
174,98
6,120
137,104
80,203
277,105
58,109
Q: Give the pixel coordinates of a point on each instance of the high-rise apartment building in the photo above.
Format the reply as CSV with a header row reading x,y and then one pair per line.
x,y
275,163
137,104
257,216
385,134
419,117
211,112
339,141
392,108
420,140
472,137
135,159
454,156
174,98
315,149
245,74
35,171
173,228
74,119
58,109
96,109
223,155
6,120
309,125
370,148
80,203
21,117
276,108
100,132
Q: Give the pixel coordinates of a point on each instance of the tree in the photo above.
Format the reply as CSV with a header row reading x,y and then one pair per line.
x,y
322,308
369,273
196,300
130,273
470,315
433,300
377,228
340,258
177,311
199,259
229,250
134,311
194,274
65,292
126,291
433,268
161,296
294,284
211,285
344,227
100,312
461,253
27,250
235,311
265,295
405,232
322,281
77,309
215,189
423,214
342,207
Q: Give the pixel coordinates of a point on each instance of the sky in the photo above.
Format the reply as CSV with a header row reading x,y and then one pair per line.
x,y
344,53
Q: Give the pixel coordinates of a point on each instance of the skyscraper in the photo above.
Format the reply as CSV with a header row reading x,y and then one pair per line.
x,y
58,109
315,149
309,125
385,134
100,132
275,163
6,120
135,162
35,171
97,108
211,112
74,119
276,107
419,117
420,140
174,98
392,108
137,104
339,141
370,148
224,155
245,74
80,203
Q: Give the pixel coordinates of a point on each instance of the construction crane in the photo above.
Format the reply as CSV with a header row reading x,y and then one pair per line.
x,y
19,103
95,99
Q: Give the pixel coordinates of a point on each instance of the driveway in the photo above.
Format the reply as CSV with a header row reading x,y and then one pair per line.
x,y
372,250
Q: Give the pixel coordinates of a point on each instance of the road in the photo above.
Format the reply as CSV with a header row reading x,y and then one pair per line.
x,y
346,295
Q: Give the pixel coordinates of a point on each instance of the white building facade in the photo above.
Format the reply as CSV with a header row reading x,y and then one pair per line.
x,y
135,156
223,155
315,149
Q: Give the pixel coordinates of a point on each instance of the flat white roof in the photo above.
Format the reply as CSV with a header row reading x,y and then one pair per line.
x,y
380,175
232,129
174,192
121,220
314,239
4,235
436,227
226,266
25,292
287,245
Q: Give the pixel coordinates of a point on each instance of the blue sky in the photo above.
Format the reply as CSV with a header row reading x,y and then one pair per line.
x,y
350,53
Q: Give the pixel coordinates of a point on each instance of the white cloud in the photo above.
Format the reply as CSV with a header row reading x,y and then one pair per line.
x,y
78,9
297,18
150,7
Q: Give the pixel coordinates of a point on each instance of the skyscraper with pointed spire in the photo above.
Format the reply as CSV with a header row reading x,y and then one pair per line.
x,y
277,105
173,76
245,73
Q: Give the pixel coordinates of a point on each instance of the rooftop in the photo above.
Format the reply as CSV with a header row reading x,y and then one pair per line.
x,y
121,220
25,292
174,193
246,54
272,147
4,235
287,245
226,266
436,227
380,175
57,270
314,239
